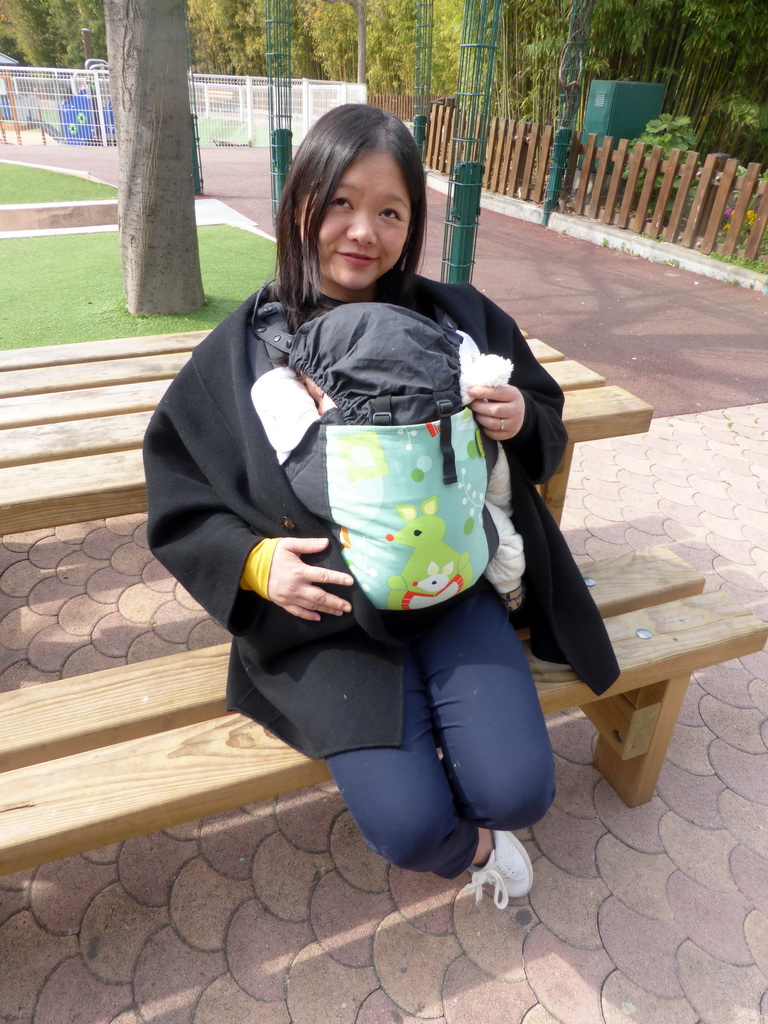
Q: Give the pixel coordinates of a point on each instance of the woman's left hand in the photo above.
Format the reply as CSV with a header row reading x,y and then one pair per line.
x,y
500,411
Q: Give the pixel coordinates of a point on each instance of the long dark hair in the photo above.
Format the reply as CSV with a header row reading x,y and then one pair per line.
x,y
336,140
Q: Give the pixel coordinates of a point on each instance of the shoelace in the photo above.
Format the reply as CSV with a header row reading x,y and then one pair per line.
x,y
492,875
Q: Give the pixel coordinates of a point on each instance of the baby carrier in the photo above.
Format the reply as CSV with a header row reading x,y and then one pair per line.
x,y
399,465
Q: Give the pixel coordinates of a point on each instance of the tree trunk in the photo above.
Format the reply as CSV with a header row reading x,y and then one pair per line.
x,y
359,8
147,50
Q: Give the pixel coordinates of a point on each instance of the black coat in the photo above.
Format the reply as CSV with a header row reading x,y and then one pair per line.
x,y
215,488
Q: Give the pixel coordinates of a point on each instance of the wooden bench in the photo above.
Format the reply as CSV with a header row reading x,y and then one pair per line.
x,y
72,419
110,755
106,756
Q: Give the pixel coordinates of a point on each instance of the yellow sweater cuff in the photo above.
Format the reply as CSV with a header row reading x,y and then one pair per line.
x,y
257,565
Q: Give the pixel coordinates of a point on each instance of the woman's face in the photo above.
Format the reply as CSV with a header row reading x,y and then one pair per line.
x,y
364,230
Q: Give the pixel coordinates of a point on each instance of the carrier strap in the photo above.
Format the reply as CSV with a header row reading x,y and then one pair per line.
x,y
382,411
449,457
273,331
268,323
446,448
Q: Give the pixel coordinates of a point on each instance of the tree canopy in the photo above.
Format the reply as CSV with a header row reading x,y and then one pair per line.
x,y
710,54
46,33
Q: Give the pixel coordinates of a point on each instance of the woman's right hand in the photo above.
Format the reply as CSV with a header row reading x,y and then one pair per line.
x,y
293,582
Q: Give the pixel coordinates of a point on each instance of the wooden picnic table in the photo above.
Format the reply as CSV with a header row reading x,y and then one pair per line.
x,y
72,419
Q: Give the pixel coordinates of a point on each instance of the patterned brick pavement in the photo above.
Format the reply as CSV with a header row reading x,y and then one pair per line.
x,y
277,913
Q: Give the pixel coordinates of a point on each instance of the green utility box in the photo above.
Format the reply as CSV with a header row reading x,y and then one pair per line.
x,y
620,109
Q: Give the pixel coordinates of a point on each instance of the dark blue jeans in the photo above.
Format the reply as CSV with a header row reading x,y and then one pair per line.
x,y
469,691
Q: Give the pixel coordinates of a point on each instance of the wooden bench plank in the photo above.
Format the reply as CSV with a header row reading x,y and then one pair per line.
x,y
610,411
90,351
153,344
71,491
100,708
571,375
109,483
64,406
47,442
544,353
636,579
60,407
130,788
589,413
141,786
164,366
99,373
686,635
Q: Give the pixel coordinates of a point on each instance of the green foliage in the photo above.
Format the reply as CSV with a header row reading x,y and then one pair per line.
x,y
709,54
759,265
332,29
391,36
8,43
748,123
446,40
228,37
532,37
46,33
27,22
668,132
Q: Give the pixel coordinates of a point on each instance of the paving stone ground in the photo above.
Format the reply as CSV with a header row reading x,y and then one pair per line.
x,y
277,913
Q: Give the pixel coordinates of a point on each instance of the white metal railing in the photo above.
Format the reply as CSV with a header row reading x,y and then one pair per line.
x,y
234,110
74,107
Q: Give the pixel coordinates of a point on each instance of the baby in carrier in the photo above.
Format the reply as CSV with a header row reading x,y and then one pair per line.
x,y
368,418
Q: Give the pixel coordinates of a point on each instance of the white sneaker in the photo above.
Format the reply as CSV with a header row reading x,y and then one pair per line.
x,y
508,869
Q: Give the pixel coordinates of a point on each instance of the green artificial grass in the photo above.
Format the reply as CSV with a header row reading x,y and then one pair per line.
x,y
59,289
20,185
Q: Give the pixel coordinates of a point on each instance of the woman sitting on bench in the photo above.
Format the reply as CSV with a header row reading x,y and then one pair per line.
x,y
428,717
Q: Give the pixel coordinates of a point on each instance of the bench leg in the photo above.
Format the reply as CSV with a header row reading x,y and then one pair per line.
x,y
634,779
553,490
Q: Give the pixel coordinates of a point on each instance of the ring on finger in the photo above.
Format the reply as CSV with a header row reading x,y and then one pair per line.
x,y
501,424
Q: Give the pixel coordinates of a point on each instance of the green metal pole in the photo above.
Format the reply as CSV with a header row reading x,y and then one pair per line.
x,y
570,75
197,174
279,90
477,60
423,72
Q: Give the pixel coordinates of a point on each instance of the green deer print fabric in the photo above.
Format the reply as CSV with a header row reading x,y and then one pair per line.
x,y
410,540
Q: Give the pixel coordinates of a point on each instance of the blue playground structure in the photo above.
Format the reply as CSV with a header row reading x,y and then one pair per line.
x,y
82,123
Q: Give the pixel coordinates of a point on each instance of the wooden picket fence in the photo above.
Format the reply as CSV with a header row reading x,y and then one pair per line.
x,y
699,202
400,106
